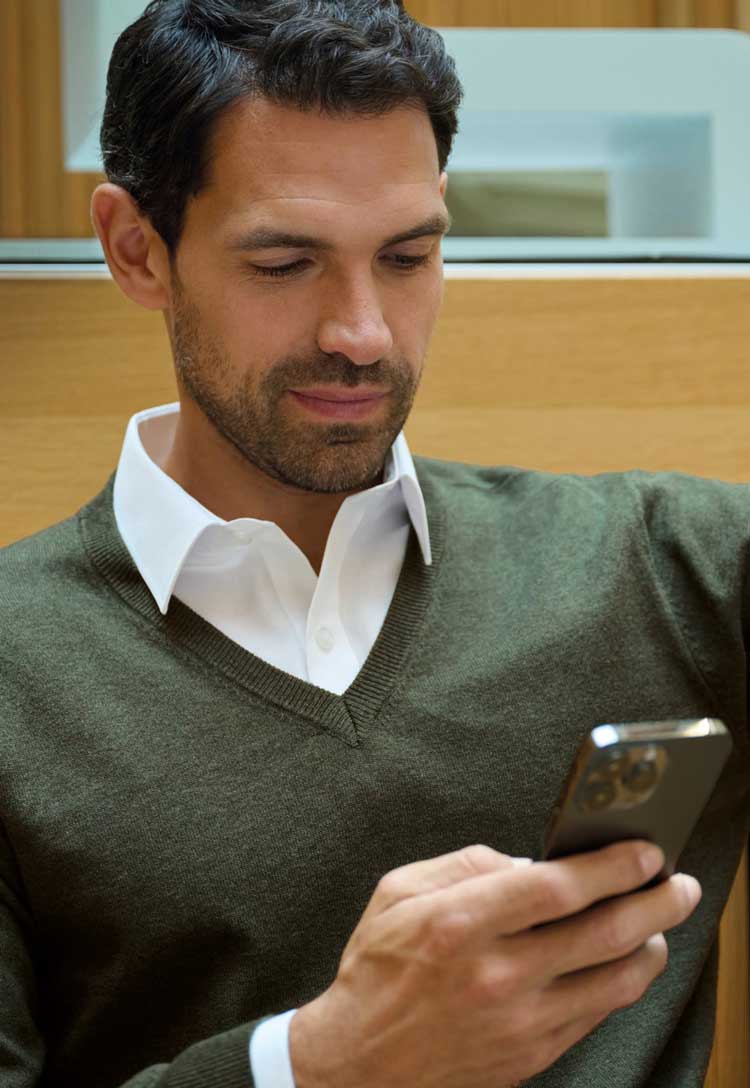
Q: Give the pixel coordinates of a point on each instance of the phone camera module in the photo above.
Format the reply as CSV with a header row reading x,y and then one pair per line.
x,y
614,763
624,778
597,794
641,776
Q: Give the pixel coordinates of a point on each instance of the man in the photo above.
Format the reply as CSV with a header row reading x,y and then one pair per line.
x,y
284,709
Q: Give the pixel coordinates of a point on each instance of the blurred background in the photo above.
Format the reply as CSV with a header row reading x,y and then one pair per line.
x,y
604,124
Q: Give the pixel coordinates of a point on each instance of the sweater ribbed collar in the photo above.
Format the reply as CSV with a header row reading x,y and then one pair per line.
x,y
188,633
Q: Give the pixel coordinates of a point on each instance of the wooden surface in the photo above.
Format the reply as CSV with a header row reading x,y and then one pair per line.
x,y
566,375
582,13
730,1060
38,199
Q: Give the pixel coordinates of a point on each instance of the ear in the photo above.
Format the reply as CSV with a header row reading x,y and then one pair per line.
x,y
443,184
135,253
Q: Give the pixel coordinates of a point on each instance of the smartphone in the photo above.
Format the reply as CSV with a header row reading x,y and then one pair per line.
x,y
639,780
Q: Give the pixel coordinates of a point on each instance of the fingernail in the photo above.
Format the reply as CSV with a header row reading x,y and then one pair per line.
x,y
522,861
652,859
692,888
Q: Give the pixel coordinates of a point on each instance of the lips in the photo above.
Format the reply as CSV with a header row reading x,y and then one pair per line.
x,y
339,404
338,396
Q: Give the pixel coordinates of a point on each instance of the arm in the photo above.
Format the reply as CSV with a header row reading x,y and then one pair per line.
x,y
217,1062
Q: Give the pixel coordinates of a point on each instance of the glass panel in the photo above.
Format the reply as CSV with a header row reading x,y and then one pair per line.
x,y
653,181
572,145
537,203
640,114
90,29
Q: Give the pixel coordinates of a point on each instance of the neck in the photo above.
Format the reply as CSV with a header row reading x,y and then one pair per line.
x,y
210,469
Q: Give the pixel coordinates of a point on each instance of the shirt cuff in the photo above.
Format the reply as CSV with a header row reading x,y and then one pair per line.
x,y
270,1062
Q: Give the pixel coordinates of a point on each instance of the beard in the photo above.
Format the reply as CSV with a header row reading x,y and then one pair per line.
x,y
257,417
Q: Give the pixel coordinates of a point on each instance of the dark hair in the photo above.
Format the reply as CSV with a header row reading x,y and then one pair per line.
x,y
183,62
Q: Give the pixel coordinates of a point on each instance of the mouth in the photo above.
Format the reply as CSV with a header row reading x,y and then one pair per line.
x,y
340,394
339,403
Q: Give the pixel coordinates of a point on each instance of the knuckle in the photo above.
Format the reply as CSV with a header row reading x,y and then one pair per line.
x,y
613,933
630,984
391,886
552,894
442,934
636,868
479,858
493,984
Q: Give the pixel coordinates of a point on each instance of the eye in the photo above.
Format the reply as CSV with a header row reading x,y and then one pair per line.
x,y
407,263
281,270
400,261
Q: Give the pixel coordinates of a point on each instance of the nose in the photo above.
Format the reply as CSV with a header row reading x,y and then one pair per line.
x,y
353,324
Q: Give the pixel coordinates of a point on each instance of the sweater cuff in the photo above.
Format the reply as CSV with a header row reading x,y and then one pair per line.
x,y
217,1062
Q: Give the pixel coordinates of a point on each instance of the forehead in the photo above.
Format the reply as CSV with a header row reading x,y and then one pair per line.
x,y
267,157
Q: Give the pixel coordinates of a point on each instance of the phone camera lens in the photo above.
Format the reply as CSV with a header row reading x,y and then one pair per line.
x,y
641,776
597,794
614,763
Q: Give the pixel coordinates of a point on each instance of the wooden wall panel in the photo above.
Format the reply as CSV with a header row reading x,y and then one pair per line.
x,y
583,13
12,126
730,1059
43,119
648,373
541,13
38,199
698,13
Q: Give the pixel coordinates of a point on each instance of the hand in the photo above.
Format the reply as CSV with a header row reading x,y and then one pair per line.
x,y
468,971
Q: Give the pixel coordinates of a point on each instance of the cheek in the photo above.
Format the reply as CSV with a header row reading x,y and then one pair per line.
x,y
255,330
418,310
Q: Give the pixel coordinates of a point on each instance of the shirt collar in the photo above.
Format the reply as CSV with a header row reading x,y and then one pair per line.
x,y
160,522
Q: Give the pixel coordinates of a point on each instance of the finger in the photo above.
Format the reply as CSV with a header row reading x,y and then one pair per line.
x,y
434,874
505,902
597,991
607,931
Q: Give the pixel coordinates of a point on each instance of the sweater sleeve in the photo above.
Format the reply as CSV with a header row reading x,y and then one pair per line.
x,y
698,537
221,1061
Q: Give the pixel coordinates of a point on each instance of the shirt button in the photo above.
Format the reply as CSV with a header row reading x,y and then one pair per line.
x,y
324,638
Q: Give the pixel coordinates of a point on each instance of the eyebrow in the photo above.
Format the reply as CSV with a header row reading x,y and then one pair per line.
x,y
266,238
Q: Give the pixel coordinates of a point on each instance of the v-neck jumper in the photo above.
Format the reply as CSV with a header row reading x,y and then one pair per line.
x,y
188,835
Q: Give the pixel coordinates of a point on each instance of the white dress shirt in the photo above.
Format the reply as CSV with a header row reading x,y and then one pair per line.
x,y
249,580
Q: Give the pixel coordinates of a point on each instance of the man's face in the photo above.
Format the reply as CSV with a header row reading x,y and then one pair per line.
x,y
352,318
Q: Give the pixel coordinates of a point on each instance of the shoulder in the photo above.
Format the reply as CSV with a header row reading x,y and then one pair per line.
x,y
662,506
43,555
648,490
46,581
503,487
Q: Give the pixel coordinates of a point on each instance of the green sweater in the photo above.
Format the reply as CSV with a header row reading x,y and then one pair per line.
x,y
189,836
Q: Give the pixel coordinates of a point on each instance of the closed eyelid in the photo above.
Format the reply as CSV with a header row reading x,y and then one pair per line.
x,y
411,263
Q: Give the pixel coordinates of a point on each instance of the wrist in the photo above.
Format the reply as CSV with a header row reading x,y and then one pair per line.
x,y
307,1047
